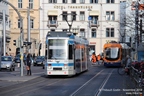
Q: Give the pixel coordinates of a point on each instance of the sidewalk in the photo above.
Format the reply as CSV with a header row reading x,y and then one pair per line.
x,y
16,76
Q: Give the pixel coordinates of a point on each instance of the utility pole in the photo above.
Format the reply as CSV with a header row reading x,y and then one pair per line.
x,y
4,32
136,25
28,30
101,30
140,29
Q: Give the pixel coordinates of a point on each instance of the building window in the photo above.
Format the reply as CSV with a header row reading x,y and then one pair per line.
x,y
82,16
110,1
73,16
82,1
82,32
64,30
52,19
19,3
64,16
18,23
9,24
107,15
93,1
73,1
31,23
112,32
110,15
30,4
109,32
64,1
94,19
52,1
93,33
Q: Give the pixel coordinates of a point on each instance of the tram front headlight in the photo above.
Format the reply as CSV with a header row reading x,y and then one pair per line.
x,y
49,66
65,66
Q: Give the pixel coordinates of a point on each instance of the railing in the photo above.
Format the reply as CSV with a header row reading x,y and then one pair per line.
x,y
94,23
137,76
52,23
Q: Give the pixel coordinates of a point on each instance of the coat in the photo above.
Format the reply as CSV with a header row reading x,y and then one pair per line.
x,y
93,58
98,57
28,62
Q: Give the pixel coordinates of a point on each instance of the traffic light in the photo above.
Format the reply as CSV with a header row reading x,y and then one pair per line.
x,y
27,44
17,50
15,43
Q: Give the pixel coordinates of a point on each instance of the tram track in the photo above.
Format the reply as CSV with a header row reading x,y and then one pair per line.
x,y
80,88
103,85
98,91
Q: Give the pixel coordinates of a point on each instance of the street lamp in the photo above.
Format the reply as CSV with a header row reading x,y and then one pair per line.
x,y
89,18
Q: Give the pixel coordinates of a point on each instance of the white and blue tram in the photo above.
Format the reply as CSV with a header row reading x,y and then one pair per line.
x,y
67,54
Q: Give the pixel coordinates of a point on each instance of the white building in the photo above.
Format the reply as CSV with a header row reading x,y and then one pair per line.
x,y
5,7
104,23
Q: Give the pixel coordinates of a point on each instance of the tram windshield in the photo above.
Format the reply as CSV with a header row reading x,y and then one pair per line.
x,y
57,49
112,53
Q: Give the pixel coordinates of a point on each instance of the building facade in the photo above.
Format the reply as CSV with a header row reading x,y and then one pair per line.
x,y
4,7
96,20
22,5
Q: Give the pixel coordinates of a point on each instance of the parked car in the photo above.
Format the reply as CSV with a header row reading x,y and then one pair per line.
x,y
7,63
17,58
39,60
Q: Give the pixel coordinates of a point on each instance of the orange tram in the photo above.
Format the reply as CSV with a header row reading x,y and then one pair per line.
x,y
115,53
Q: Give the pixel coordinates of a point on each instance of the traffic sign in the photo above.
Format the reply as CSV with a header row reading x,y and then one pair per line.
x,y
89,18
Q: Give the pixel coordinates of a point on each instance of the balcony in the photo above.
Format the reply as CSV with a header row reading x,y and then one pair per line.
x,y
52,23
94,23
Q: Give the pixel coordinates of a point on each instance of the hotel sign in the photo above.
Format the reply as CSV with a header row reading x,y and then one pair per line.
x,y
73,7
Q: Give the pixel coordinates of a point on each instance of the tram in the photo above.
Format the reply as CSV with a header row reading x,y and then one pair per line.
x,y
67,54
115,53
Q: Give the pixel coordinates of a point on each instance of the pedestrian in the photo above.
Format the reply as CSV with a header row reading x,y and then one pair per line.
x,y
128,64
28,65
93,58
98,58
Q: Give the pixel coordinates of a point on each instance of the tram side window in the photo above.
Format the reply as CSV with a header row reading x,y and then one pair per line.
x,y
70,52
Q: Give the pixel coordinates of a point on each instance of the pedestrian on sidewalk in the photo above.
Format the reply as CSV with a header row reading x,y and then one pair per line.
x,y
98,58
93,58
28,65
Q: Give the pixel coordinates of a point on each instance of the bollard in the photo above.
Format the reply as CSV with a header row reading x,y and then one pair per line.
x,y
18,64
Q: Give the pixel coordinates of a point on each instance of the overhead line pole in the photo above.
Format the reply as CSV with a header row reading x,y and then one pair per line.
x,y
136,26
28,29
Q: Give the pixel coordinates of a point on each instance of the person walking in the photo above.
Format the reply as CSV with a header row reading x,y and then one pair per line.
x,y
98,58
93,58
28,65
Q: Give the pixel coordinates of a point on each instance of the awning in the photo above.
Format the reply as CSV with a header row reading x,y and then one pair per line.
x,y
52,13
94,13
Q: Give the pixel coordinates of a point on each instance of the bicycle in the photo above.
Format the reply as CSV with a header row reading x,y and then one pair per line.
x,y
121,70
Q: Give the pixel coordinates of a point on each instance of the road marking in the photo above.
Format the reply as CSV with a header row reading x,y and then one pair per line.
x,y
74,93
22,87
103,84
37,88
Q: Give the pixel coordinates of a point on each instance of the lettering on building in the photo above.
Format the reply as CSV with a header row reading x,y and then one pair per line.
x,y
73,7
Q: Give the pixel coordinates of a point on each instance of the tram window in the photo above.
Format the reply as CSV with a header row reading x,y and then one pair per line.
x,y
70,52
